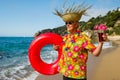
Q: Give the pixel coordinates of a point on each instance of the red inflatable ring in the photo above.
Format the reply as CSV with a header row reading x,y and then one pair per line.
x,y
34,53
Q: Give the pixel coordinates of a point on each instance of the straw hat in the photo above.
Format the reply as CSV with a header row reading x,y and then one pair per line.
x,y
73,13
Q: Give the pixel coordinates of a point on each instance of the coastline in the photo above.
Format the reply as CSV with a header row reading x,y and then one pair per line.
x,y
104,67
31,76
49,77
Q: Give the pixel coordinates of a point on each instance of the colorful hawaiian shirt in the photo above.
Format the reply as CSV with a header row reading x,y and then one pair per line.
x,y
74,55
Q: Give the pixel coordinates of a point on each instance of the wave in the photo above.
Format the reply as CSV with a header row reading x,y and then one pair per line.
x,y
15,73
105,45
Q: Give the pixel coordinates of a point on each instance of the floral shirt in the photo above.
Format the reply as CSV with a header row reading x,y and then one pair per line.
x,y
74,55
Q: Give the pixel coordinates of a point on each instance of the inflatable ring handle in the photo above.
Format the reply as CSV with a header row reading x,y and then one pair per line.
x,y
34,53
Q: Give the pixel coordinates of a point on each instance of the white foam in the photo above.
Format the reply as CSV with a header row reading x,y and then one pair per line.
x,y
19,67
105,45
14,72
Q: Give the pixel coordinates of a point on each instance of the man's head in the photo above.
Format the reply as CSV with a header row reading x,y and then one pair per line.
x,y
71,15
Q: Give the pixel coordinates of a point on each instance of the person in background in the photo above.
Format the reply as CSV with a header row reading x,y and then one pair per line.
x,y
75,46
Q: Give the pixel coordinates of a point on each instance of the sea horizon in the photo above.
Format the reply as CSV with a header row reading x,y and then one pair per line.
x,y
16,36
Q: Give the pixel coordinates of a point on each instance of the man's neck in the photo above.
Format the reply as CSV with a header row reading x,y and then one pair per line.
x,y
73,32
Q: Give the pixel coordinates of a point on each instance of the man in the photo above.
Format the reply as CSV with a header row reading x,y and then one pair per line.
x,y
76,45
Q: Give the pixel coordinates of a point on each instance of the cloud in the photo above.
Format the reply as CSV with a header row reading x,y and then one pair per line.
x,y
94,13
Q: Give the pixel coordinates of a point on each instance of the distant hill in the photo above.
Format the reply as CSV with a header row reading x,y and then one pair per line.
x,y
111,19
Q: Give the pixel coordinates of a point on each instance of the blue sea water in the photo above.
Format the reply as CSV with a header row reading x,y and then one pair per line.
x,y
14,62
13,48
13,57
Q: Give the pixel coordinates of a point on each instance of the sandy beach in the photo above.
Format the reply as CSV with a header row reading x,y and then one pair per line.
x,y
104,67
109,66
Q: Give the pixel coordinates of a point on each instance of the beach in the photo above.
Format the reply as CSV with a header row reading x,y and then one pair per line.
x,y
104,67
109,66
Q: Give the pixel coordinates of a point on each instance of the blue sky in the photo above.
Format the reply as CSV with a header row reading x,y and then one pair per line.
x,y
26,17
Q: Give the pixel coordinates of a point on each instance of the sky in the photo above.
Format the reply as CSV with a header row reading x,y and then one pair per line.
x,y
26,17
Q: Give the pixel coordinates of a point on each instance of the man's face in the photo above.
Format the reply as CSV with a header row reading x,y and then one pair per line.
x,y
71,26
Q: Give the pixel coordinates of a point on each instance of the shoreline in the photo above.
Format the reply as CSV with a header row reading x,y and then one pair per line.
x,y
31,76
49,77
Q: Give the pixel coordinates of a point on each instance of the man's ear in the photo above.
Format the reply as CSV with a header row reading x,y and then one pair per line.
x,y
76,25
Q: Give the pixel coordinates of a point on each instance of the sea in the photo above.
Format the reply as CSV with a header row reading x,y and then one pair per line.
x,y
14,60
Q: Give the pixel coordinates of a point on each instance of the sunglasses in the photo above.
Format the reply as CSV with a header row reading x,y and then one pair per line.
x,y
69,22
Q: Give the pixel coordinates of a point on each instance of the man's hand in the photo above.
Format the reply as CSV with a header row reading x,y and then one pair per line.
x,y
55,47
